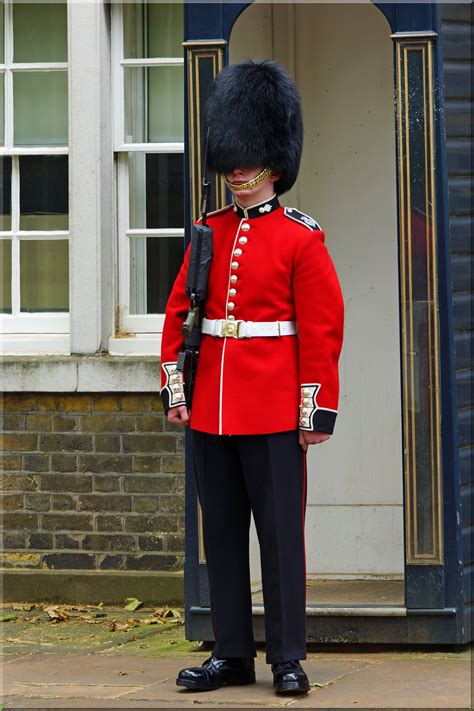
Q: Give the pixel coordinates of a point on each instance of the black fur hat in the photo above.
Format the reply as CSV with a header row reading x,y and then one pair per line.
x,y
254,117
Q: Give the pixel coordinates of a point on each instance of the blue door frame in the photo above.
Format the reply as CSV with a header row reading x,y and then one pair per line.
x,y
433,558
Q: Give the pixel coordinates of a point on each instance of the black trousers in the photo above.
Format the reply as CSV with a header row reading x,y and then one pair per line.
x,y
266,475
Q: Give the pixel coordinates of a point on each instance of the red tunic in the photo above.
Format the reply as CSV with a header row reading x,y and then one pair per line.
x,y
269,264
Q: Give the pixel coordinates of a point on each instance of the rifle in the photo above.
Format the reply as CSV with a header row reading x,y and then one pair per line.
x,y
196,288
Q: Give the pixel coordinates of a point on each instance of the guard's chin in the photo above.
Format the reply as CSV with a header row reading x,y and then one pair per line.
x,y
240,193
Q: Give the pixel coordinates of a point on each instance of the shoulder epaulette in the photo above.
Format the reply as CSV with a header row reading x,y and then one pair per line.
x,y
301,217
216,212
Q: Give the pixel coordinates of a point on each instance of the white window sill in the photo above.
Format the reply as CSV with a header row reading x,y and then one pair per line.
x,y
148,344
100,372
35,344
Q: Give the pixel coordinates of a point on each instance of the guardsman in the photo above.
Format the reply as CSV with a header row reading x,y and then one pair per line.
x,y
266,385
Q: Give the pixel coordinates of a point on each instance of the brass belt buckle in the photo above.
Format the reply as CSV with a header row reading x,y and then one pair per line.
x,y
231,328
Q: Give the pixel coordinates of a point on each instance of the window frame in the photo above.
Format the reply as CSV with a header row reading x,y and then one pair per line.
x,y
18,322
147,326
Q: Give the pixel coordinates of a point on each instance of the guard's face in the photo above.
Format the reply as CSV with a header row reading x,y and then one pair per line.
x,y
239,176
243,175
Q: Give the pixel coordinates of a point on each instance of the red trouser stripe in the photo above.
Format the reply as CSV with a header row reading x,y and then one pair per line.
x,y
303,518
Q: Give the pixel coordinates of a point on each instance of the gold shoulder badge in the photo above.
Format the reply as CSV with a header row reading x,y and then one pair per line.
x,y
301,217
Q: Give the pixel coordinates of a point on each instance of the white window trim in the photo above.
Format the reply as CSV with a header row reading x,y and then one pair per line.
x,y
91,176
36,344
133,323
143,344
15,326
138,334
153,62
151,147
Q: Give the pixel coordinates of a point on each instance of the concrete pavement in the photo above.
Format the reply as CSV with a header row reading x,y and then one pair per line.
x,y
339,680
103,663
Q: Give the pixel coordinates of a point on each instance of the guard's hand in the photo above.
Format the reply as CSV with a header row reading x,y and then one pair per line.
x,y
179,415
306,438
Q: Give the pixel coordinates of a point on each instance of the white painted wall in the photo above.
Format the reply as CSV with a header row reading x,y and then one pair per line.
x,y
341,58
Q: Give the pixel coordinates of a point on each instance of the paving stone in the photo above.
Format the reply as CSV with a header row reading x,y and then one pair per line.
x,y
88,669
388,679
65,691
261,693
398,683
21,702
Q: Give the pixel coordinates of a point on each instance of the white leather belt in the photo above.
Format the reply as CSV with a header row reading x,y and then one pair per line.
x,y
247,329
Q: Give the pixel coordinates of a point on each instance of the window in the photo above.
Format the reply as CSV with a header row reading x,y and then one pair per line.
x,y
34,222
148,90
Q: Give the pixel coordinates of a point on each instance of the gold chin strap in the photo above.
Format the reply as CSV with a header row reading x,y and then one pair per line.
x,y
250,183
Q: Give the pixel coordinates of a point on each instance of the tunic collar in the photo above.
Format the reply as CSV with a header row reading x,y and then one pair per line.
x,y
258,210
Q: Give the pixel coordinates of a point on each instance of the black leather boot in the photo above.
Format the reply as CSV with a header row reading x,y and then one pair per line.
x,y
216,672
290,678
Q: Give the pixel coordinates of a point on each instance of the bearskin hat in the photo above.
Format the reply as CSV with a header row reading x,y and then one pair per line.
x,y
254,118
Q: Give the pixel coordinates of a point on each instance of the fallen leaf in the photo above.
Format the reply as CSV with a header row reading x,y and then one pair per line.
x,y
57,614
167,613
7,618
132,603
115,626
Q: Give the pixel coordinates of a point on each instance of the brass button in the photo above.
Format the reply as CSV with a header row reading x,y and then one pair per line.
x,y
237,252
234,265
232,292
243,240
230,306
234,278
245,227
230,317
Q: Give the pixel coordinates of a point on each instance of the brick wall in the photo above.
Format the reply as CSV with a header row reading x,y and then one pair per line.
x,y
91,481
